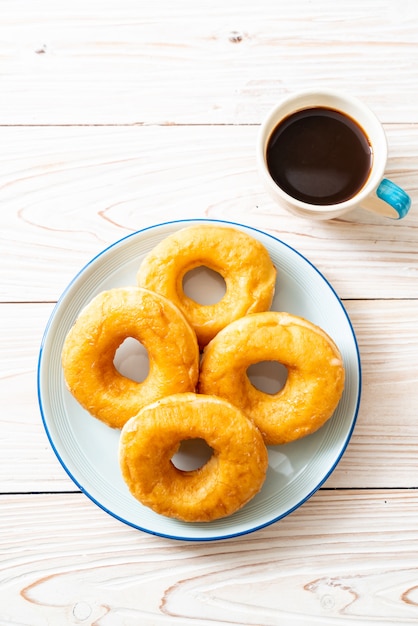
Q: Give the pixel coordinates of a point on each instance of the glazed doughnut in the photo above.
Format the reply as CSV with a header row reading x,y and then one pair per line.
x,y
231,477
240,259
90,346
315,373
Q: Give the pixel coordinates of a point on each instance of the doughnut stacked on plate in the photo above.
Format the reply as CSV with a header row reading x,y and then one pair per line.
x,y
210,397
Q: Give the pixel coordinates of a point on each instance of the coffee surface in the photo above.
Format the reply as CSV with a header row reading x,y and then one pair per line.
x,y
319,156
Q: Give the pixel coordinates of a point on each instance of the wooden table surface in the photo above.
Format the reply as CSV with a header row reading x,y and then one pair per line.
x,y
116,115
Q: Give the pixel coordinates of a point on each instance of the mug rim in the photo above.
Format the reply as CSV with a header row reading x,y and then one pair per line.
x,y
346,104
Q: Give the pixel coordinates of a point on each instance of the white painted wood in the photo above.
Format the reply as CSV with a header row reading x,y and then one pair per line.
x,y
382,452
216,62
345,557
70,192
118,115
384,447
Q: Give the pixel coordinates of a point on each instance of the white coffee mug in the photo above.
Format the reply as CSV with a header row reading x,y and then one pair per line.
x,y
376,193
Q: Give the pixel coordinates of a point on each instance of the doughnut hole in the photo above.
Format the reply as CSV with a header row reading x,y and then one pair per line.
x,y
268,376
131,360
204,286
192,455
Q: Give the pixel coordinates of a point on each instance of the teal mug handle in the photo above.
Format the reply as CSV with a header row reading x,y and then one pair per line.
x,y
389,200
395,196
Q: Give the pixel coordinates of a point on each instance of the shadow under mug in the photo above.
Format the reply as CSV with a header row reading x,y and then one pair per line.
x,y
377,194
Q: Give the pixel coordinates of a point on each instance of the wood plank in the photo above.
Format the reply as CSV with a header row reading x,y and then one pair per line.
x,y
383,449
385,441
95,63
27,461
116,116
67,193
343,557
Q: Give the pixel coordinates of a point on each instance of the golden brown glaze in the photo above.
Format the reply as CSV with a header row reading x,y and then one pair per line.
x,y
233,475
239,258
315,379
90,347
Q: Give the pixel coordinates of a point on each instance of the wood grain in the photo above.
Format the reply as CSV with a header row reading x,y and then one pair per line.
x,y
345,557
384,447
70,192
98,63
117,116
382,451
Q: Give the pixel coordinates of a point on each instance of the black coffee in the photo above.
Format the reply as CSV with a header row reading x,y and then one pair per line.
x,y
319,156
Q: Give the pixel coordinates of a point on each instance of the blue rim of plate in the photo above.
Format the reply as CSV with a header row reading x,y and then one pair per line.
x,y
184,536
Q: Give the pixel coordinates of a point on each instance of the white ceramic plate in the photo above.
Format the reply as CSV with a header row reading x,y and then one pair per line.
x,y
87,449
